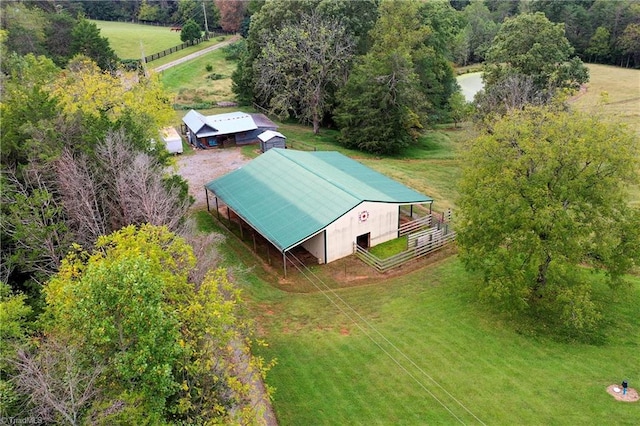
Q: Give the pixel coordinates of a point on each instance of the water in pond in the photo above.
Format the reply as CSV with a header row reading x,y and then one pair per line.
x,y
470,84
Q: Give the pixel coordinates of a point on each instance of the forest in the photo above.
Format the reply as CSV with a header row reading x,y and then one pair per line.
x,y
117,310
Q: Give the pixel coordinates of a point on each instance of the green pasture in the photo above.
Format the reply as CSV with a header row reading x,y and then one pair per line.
x,y
195,87
131,41
360,348
419,349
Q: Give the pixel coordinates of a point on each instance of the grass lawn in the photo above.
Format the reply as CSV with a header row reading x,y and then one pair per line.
x,y
418,348
129,40
390,248
613,92
195,87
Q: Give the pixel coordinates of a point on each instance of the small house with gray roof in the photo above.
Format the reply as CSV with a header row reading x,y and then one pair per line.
x,y
216,131
322,201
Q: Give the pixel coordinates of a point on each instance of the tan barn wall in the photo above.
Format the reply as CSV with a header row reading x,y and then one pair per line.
x,y
315,246
381,222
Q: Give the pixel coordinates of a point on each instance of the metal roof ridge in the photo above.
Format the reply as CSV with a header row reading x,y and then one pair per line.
x,y
340,187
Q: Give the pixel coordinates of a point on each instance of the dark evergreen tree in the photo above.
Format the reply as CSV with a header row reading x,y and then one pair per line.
x,y
86,40
190,31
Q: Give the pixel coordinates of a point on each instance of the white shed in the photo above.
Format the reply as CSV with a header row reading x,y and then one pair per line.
x,y
172,140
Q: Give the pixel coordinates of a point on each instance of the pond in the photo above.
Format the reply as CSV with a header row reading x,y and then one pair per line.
x,y
470,84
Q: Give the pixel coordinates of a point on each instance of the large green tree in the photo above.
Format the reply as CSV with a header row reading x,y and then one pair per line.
x,y
543,194
301,65
190,31
357,17
157,346
86,40
530,45
382,107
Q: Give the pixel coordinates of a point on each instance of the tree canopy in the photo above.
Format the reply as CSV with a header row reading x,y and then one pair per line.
x,y
381,106
301,65
530,45
543,194
190,31
149,345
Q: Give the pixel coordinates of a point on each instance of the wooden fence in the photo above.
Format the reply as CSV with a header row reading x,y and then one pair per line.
x,y
420,244
173,49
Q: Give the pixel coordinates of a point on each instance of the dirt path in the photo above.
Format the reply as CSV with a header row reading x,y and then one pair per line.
x,y
196,54
204,165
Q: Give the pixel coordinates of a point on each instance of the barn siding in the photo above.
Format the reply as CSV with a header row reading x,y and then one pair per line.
x,y
382,224
315,246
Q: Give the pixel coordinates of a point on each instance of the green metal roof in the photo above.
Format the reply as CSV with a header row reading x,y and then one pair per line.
x,y
288,196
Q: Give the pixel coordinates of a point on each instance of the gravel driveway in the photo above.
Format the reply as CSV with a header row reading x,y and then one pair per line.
x,y
204,165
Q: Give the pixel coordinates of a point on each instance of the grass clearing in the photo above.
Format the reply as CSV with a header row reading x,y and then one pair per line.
x,y
192,85
390,248
330,371
613,92
131,41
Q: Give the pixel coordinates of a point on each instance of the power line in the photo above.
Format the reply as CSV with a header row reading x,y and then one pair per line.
x,y
325,293
300,264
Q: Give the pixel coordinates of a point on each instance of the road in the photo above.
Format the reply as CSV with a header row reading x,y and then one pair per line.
x,y
196,54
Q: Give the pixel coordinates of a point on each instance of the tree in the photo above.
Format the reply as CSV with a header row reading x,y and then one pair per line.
x,y
25,102
231,13
599,44
13,332
116,188
357,17
630,43
87,41
115,303
25,28
116,98
190,31
33,224
432,57
148,12
382,108
164,348
544,193
480,29
300,64
57,380
531,45
460,108
59,38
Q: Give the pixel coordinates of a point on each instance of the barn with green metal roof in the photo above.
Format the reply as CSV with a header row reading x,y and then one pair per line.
x,y
322,201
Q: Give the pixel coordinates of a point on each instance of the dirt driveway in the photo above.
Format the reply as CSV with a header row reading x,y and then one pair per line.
x,y
204,165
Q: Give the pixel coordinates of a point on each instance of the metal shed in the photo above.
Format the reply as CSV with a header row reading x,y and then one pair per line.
x,y
322,201
271,139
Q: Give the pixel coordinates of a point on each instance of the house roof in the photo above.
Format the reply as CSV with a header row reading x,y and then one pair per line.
x,y
262,120
219,124
270,134
288,196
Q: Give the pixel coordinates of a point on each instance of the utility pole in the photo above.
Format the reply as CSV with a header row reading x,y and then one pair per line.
x,y
206,26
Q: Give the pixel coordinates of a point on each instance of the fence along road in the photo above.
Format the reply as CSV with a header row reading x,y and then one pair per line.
x,y
196,54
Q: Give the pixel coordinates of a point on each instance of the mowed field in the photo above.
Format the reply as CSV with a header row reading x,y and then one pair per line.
x,y
133,41
418,348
